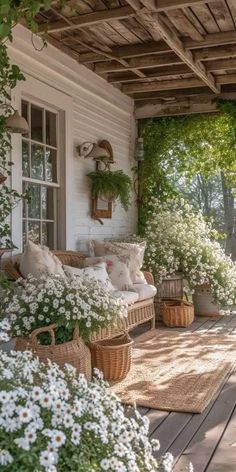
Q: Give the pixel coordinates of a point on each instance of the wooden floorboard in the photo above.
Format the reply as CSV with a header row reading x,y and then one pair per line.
x,y
208,440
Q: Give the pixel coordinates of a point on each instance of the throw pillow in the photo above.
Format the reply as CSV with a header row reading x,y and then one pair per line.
x,y
117,268
97,272
136,251
39,260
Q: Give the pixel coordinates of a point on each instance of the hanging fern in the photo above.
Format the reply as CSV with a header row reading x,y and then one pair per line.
x,y
112,185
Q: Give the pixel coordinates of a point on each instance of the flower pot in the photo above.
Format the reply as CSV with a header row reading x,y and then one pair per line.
x,y
203,302
74,352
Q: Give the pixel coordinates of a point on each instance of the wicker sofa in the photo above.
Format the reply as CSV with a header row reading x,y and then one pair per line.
x,y
138,313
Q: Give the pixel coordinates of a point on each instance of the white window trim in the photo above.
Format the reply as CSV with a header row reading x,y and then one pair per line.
x,y
37,91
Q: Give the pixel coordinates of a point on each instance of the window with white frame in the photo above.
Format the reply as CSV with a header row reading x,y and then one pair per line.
x,y
40,174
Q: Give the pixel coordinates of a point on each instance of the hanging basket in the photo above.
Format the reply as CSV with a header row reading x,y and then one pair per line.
x,y
177,313
113,356
203,302
74,352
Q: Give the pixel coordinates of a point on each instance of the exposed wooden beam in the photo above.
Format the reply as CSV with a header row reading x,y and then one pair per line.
x,y
158,47
174,84
162,85
88,19
165,5
170,94
155,23
222,64
159,73
138,63
213,39
220,52
181,106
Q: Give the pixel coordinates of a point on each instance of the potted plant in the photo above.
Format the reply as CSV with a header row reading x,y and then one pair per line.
x,y
55,421
179,239
111,186
55,315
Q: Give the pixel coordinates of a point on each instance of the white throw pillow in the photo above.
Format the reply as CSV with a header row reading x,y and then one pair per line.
x,y
97,272
38,260
135,250
145,291
117,269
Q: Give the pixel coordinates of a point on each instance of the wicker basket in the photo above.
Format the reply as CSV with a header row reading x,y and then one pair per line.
x,y
177,313
113,356
74,352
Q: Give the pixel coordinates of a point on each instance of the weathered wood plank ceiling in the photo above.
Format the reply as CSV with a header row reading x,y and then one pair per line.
x,y
171,56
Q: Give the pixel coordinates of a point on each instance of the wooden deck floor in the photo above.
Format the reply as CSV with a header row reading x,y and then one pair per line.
x,y
208,440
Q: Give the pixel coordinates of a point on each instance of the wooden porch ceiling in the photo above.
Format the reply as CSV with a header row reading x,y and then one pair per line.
x,y
171,56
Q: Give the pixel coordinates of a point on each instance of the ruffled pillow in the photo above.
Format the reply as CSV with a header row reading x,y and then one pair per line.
x,y
117,268
135,250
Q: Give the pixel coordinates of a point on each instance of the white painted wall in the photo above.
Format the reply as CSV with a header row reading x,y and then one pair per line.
x,y
94,110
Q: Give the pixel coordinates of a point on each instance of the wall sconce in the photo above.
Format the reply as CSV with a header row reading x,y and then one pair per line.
x,y
139,150
94,150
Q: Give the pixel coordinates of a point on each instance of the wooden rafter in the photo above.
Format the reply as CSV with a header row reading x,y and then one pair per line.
x,y
158,47
92,48
88,20
183,105
154,22
144,62
174,84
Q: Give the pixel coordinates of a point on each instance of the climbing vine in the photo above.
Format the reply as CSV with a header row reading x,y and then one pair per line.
x,y
11,12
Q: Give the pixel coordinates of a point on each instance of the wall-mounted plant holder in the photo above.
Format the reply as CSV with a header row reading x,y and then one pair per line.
x,y
101,208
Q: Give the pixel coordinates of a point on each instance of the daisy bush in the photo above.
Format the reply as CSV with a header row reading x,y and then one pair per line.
x,y
66,301
52,420
179,239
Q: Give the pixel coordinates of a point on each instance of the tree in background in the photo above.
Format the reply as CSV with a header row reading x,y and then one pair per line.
x,y
194,156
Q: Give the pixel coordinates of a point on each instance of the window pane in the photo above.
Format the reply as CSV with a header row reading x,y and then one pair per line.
x,y
34,231
51,165
37,162
36,123
48,235
47,203
25,111
25,159
34,204
51,128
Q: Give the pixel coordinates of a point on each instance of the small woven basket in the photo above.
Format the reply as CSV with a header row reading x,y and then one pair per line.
x,y
177,313
74,352
112,356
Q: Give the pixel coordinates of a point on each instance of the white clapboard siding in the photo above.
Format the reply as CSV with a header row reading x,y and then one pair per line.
x,y
94,110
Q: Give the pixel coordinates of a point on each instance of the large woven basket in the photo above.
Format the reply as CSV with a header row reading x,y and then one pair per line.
x,y
177,313
74,352
113,356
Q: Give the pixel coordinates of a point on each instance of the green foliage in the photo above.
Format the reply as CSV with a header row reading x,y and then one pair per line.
x,y
187,145
111,185
11,11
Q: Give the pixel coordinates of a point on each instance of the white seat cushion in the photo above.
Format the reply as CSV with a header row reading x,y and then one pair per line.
x,y
129,297
38,260
145,291
97,272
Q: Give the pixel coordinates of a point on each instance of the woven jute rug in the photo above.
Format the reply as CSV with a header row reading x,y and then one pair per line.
x,y
177,371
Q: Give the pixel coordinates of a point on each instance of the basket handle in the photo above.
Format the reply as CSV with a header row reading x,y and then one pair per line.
x,y
76,334
45,329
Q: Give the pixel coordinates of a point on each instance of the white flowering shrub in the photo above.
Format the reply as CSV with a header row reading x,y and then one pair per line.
x,y
52,420
179,239
32,304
